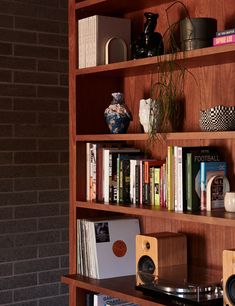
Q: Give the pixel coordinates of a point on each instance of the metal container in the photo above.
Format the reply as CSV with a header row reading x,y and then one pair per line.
x,y
197,32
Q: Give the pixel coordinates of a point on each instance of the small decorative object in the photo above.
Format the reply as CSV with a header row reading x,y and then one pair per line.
x,y
115,50
229,201
150,115
117,115
216,188
218,118
149,43
197,32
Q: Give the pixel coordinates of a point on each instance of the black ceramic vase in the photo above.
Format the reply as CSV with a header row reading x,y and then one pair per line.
x,y
149,43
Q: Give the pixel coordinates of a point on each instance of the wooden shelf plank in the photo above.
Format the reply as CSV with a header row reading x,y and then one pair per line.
x,y
87,7
213,218
163,136
199,57
120,287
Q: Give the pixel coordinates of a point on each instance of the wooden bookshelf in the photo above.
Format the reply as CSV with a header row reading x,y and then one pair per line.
x,y
209,82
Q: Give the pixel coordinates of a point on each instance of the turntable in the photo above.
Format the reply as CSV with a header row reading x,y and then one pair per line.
x,y
183,285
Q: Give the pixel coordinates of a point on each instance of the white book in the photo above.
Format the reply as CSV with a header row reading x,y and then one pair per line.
x,y
114,246
97,32
180,179
102,299
175,158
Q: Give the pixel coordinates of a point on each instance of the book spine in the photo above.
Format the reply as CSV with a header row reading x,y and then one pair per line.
x,y
157,187
137,184
88,171
180,179
151,185
106,164
170,178
118,178
132,180
222,40
121,181
225,32
189,181
126,180
146,189
141,182
203,185
93,171
175,161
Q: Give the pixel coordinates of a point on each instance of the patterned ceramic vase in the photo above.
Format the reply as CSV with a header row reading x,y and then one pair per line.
x,y
117,115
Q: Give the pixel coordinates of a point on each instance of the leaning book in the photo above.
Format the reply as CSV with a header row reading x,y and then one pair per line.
x,y
209,169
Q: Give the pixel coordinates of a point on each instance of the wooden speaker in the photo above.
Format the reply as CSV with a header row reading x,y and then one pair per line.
x,y
229,277
156,251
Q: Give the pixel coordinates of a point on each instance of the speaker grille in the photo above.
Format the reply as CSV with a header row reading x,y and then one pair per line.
x,y
146,269
230,289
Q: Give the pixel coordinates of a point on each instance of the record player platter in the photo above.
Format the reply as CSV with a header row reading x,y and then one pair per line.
x,y
184,285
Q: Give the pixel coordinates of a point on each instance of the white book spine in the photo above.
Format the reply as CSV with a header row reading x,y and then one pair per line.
x,y
180,179
106,175
175,148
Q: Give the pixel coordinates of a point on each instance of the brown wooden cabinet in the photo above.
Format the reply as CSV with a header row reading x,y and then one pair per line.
x,y
90,93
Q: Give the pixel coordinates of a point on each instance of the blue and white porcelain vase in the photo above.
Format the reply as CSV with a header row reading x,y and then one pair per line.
x,y
117,115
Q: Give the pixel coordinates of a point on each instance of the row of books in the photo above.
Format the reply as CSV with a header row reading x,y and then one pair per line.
x,y
189,171
93,34
106,247
98,299
224,37
126,175
123,175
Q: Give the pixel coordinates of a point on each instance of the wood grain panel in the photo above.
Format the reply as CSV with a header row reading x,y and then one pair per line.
x,y
205,242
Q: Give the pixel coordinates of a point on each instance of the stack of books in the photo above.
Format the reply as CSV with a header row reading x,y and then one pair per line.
x,y
93,34
224,37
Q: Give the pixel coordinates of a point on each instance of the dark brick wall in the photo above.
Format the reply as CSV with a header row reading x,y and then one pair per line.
x,y
33,152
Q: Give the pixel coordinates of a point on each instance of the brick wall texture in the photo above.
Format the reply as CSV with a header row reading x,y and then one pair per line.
x,y
33,152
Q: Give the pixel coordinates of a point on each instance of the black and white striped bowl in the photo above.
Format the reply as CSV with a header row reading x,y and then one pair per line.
x,y
218,118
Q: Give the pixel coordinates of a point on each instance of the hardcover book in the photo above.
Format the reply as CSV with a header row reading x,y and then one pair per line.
x,y
216,188
225,32
102,299
209,169
147,165
183,172
193,185
223,40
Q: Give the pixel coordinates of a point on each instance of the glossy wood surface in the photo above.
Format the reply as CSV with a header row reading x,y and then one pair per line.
x,y
210,82
121,287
